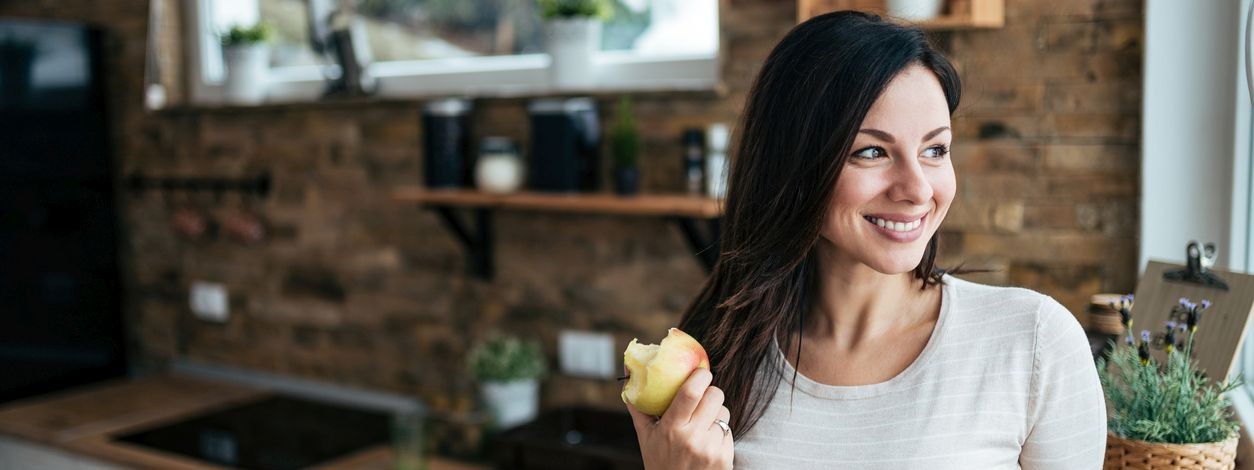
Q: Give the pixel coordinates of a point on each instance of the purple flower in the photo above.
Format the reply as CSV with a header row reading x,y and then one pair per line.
x,y
1145,335
1205,304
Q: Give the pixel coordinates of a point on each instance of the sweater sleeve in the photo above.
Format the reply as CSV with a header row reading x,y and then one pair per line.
x,y
1066,426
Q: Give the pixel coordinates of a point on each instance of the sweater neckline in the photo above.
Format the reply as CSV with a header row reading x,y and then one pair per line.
x,y
902,379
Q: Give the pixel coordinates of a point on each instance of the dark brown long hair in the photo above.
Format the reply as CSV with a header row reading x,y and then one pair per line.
x,y
798,126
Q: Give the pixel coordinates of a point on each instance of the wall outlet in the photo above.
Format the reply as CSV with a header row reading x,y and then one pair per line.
x,y
209,301
587,354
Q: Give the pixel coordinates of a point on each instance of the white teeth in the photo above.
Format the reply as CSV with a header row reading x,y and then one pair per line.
x,y
896,226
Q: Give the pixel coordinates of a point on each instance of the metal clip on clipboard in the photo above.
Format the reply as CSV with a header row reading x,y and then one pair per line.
x,y
1197,269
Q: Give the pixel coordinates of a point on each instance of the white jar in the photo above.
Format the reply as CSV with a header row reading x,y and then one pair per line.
x,y
915,10
498,170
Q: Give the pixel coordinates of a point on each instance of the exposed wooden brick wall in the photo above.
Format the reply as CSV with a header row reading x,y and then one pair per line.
x,y
352,288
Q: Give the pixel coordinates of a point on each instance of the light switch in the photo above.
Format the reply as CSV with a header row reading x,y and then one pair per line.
x,y
210,302
587,354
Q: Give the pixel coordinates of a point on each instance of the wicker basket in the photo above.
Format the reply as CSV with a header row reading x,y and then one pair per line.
x,y
1140,455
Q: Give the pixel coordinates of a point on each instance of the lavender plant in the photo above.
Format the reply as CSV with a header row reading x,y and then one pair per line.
x,y
1169,403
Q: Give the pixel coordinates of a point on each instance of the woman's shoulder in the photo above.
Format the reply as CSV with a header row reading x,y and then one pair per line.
x,y
1029,307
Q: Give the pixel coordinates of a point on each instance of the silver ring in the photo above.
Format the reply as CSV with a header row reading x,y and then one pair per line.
x,y
723,424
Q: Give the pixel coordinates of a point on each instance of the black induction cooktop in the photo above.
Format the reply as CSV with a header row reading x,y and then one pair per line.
x,y
274,433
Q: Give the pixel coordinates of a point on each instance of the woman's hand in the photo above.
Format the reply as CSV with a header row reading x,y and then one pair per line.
x,y
686,436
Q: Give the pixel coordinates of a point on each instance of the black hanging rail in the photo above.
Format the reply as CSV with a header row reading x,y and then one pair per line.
x,y
258,185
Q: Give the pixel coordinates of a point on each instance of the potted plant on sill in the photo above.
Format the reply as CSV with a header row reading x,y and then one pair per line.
x,y
1166,416
509,371
572,32
246,54
625,147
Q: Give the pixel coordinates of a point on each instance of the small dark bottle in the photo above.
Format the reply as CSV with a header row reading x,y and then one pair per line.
x,y
694,160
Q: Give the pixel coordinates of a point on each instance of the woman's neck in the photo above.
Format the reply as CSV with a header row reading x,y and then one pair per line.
x,y
856,303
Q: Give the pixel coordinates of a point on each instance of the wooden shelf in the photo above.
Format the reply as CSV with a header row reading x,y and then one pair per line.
x,y
655,205
685,211
958,14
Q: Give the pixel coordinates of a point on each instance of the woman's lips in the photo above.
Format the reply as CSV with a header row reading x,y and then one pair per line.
x,y
910,231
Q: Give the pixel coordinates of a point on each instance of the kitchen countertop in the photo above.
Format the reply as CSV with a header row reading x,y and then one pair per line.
x,y
82,421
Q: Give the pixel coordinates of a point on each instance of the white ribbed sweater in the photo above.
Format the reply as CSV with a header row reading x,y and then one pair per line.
x,y
1006,381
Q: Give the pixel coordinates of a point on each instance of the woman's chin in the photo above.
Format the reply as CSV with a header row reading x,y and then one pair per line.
x,y
896,265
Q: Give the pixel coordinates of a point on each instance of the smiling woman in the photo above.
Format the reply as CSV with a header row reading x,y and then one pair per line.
x,y
834,340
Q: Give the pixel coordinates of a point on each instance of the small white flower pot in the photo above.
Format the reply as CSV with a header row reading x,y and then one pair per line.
x,y
247,73
571,44
512,403
915,10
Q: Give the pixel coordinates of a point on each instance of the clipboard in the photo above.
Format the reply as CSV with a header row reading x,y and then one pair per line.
x,y
1221,328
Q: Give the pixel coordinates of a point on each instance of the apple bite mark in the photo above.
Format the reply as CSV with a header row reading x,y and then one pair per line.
x,y
656,371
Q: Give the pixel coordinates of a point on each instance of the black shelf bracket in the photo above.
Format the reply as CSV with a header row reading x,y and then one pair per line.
x,y
703,244
476,240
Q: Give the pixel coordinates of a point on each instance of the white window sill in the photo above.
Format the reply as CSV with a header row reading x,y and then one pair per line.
x,y
494,77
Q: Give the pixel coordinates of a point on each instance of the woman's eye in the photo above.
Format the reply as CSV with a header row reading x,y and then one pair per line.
x,y
936,152
870,153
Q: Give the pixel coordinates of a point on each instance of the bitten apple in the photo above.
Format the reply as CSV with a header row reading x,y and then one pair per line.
x,y
656,371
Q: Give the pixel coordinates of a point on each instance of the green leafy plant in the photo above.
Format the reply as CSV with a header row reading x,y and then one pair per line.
x,y
238,35
624,136
503,358
1168,403
572,9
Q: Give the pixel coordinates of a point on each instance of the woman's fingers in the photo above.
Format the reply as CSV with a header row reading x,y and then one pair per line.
x,y
707,409
686,400
641,421
723,414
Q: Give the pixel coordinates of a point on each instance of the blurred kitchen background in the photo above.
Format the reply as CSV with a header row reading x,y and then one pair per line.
x,y
165,231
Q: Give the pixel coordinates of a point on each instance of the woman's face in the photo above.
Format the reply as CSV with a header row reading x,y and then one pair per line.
x,y
898,182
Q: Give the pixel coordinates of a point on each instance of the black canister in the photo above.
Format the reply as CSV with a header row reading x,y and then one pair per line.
x,y
446,143
565,145
694,160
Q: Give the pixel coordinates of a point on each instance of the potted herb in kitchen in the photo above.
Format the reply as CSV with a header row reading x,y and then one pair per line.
x,y
572,32
509,371
1166,416
246,53
625,147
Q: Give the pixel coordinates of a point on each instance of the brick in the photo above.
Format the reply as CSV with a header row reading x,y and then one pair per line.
x,y
985,215
1087,186
1122,160
1069,37
999,97
1118,127
994,156
1049,214
1070,285
999,186
1103,97
1051,247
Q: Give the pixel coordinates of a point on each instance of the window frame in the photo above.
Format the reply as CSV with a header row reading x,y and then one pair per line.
x,y
491,76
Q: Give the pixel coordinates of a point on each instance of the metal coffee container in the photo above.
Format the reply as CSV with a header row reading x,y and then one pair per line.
x,y
446,143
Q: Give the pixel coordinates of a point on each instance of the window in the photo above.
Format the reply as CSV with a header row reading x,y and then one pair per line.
x,y
466,47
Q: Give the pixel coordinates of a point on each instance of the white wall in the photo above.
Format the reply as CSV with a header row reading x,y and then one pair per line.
x,y
1195,102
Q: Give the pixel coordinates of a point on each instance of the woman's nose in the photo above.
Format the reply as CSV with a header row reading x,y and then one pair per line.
x,y
910,184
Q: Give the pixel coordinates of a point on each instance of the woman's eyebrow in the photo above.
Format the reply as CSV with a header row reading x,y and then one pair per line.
x,y
886,137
